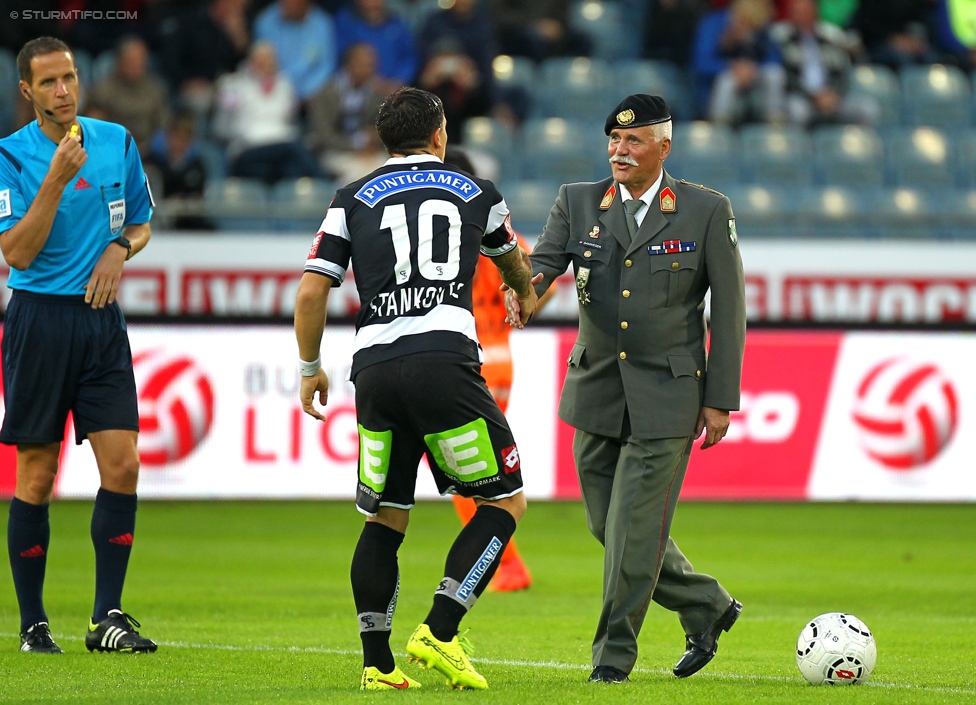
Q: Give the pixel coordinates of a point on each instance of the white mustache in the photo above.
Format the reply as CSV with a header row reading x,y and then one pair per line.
x,y
630,161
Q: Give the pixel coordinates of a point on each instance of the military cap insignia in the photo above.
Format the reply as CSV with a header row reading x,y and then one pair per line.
x,y
595,232
733,235
582,279
668,203
608,198
625,117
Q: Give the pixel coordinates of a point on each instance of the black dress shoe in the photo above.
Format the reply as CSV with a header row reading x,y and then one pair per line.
x,y
608,674
701,647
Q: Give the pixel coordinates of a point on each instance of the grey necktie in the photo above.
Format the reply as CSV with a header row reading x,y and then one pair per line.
x,y
632,206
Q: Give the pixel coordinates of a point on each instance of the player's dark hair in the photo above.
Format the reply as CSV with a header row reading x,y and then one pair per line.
x,y
38,47
407,119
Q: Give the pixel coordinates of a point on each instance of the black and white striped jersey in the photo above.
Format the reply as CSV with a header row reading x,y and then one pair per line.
x,y
414,229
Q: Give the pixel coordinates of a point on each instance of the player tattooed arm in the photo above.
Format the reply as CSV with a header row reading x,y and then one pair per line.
x,y
517,274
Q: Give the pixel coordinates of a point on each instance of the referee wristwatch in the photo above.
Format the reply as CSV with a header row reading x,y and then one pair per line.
x,y
124,242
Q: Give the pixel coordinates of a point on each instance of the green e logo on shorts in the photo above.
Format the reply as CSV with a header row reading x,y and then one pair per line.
x,y
464,453
374,457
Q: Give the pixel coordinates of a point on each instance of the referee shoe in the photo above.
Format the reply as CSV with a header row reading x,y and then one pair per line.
x,y
38,640
116,633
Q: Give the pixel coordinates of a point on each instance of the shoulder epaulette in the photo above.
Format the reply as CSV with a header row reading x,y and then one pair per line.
x,y
703,188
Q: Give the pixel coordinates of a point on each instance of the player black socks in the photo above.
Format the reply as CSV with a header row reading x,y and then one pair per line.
x,y
112,527
28,535
375,583
472,561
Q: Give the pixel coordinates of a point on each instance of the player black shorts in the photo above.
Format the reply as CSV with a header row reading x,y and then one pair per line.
x,y
61,355
433,403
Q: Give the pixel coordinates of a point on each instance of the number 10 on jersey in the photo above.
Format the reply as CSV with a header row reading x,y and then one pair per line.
x,y
395,220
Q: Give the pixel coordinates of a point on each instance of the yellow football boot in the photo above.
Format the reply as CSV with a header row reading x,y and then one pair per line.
x,y
375,679
450,658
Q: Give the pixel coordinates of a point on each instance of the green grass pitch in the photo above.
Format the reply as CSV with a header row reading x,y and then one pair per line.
x,y
250,602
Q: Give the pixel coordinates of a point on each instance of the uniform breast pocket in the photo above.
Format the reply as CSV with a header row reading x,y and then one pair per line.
x,y
113,200
590,264
675,273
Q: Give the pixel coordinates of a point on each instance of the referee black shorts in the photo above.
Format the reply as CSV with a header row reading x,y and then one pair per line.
x,y
61,355
435,404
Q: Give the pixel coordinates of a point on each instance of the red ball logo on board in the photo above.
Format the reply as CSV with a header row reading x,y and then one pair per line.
x,y
176,406
906,413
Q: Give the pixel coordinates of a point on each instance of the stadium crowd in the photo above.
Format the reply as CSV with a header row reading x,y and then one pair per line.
x,y
271,92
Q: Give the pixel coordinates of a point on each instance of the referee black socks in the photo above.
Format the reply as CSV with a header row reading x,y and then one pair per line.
x,y
375,577
471,563
28,535
112,528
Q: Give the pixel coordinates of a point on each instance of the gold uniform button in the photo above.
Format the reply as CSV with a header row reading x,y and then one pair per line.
x,y
675,265
587,254
697,373
626,293
623,356
628,263
624,324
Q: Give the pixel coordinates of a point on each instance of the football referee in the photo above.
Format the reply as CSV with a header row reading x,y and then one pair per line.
x,y
74,206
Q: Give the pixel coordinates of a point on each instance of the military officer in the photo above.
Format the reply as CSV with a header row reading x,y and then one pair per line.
x,y
639,388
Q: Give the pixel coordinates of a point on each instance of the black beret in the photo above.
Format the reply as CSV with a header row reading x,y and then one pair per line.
x,y
638,110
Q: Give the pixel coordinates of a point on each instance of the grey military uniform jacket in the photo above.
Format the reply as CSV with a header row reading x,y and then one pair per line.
x,y
641,343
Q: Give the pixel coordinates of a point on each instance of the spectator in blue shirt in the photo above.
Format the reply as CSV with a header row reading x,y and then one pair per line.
x,y
370,21
737,66
304,38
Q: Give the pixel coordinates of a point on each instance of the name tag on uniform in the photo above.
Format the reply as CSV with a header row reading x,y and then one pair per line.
x,y
669,247
116,215
5,203
594,245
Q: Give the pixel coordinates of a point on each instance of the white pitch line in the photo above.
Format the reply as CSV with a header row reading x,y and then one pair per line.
x,y
534,664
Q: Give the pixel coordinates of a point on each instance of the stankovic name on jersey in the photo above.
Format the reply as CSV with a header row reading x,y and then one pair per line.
x,y
411,298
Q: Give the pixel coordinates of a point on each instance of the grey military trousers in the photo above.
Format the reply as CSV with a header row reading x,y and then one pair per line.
x,y
630,489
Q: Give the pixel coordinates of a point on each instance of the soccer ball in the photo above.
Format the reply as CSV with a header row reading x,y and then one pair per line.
x,y
836,649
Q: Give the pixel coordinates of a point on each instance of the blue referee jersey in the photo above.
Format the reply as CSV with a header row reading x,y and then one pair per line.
x,y
110,192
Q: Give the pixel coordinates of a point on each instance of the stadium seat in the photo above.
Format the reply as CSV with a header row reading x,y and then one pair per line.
x,y
415,13
83,62
848,156
956,213
515,83
8,89
560,150
496,138
530,203
657,78
102,67
8,74
936,95
776,155
919,157
902,213
881,83
964,157
703,153
577,89
300,204
603,22
762,211
514,71
214,160
238,204
834,211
